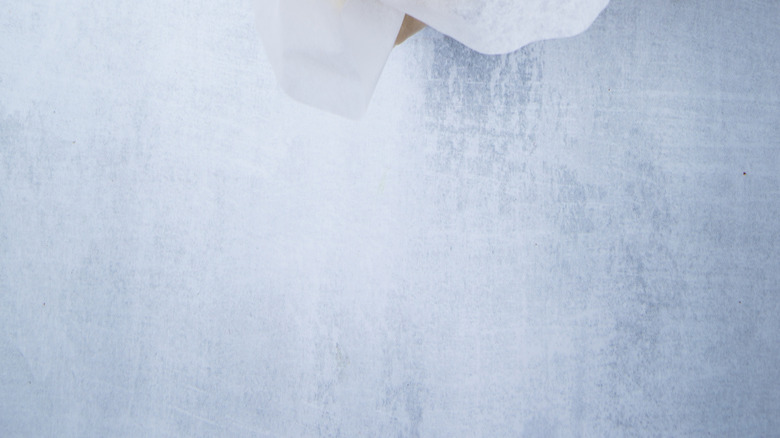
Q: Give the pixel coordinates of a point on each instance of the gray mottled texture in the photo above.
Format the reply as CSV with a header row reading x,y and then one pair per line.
x,y
579,239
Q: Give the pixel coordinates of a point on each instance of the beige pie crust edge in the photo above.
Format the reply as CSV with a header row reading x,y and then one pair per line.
x,y
409,27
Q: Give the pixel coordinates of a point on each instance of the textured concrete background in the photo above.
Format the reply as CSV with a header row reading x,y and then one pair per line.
x,y
578,239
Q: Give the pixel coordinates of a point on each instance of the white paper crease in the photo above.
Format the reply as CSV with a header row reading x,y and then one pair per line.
x,y
330,53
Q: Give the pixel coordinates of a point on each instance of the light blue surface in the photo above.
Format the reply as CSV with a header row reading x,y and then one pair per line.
x,y
578,239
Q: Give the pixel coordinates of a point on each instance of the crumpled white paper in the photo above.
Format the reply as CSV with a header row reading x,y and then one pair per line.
x,y
330,53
